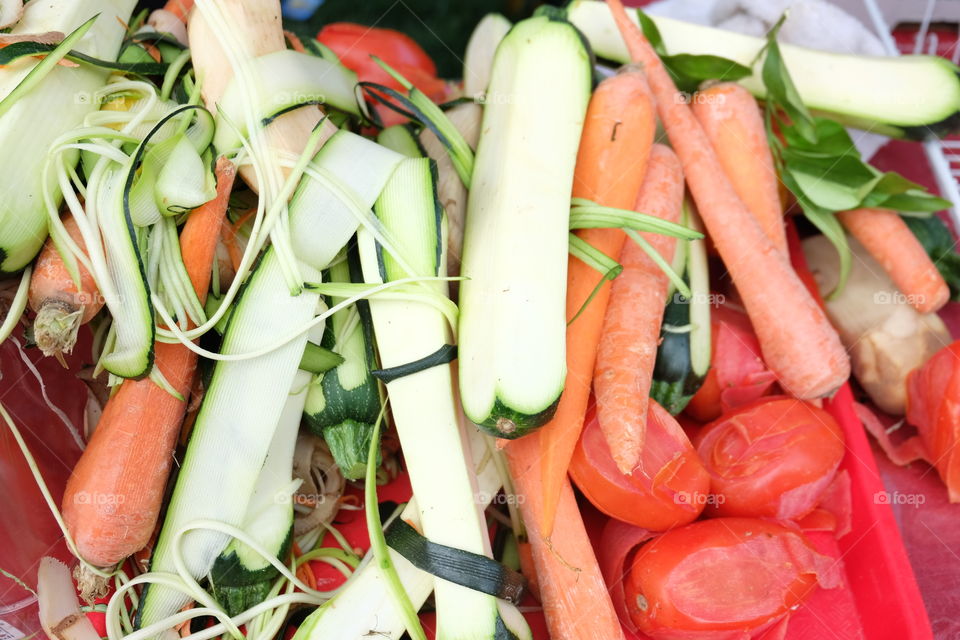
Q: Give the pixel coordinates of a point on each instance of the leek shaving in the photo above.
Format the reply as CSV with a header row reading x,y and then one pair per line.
x,y
173,334
17,306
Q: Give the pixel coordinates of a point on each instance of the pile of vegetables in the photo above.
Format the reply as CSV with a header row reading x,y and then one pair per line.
x,y
314,271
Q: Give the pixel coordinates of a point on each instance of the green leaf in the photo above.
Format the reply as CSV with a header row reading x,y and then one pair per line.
x,y
832,139
826,221
651,33
781,89
939,244
835,184
689,71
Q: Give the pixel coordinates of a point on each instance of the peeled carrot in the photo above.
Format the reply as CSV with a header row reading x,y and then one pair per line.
x,y
60,306
631,327
575,599
611,163
889,240
730,117
796,338
113,497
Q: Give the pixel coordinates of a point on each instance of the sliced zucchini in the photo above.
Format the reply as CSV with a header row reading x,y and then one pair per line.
x,y
59,103
910,96
363,608
478,57
235,423
512,302
241,577
288,79
343,403
423,404
402,139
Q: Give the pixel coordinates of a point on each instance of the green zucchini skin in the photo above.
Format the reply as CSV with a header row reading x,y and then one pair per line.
x,y
341,416
674,380
510,424
236,587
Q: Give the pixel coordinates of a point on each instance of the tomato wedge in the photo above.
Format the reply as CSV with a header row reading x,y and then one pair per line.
x,y
669,488
737,372
773,458
726,578
933,407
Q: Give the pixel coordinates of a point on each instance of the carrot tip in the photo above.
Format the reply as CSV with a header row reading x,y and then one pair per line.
x,y
91,586
55,327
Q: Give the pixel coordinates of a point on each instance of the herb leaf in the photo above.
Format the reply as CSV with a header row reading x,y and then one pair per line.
x,y
688,70
781,89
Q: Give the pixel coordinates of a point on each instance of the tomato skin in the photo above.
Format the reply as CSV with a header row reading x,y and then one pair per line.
x,y
355,43
719,579
674,496
933,407
773,458
737,372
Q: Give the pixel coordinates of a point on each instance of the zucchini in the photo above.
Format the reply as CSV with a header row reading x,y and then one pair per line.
x,y
58,104
910,96
478,57
423,404
343,403
234,426
363,606
674,380
683,357
402,139
240,577
287,80
512,302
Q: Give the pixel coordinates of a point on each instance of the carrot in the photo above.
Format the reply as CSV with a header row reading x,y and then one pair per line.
x,y
796,338
574,597
113,497
631,327
730,117
611,163
889,240
179,8
61,306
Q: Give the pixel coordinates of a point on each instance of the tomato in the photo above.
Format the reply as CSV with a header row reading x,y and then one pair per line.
x,y
773,458
933,407
355,43
722,578
737,373
668,488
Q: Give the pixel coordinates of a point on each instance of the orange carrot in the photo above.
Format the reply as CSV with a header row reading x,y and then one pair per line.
x,y
631,327
113,497
574,597
889,240
796,338
730,117
60,306
611,162
179,8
